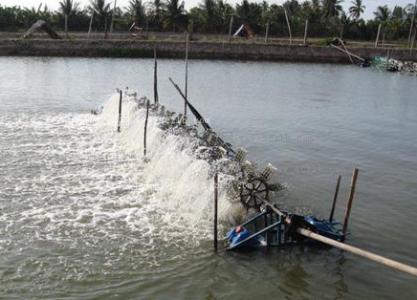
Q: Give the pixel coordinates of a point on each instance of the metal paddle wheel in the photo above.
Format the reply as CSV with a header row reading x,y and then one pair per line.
x,y
253,191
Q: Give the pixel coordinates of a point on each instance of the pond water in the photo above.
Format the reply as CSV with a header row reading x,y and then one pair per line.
x,y
83,217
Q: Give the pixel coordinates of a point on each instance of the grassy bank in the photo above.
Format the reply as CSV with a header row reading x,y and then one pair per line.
x,y
172,48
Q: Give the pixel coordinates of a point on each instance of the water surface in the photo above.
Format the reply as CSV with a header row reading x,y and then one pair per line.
x,y
82,217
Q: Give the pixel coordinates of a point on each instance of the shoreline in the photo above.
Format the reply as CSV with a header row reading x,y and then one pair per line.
x,y
197,50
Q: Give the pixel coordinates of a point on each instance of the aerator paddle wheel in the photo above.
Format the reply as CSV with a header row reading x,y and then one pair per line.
x,y
253,191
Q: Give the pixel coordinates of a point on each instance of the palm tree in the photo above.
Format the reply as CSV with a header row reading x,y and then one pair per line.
x,y
175,14
332,8
383,15
156,12
210,14
137,11
357,9
103,12
67,7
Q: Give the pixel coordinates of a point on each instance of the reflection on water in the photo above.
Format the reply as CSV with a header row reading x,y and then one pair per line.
x,y
80,213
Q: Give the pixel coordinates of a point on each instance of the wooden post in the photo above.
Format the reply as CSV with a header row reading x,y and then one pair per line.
x,y
216,192
91,25
350,200
66,25
413,41
305,33
147,29
155,78
336,192
267,32
288,24
146,127
119,121
112,19
377,35
187,45
410,40
230,27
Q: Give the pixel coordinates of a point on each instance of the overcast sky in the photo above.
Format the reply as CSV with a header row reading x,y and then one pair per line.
x,y
370,4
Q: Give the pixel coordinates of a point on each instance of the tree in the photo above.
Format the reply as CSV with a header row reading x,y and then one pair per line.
x,y
382,13
332,8
67,7
137,11
103,12
156,13
174,14
216,14
356,9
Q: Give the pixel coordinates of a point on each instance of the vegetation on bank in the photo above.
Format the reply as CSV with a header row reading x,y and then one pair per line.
x,y
325,17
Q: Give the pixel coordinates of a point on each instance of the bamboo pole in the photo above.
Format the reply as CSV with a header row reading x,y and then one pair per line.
x,y
119,121
413,39
336,192
187,45
377,35
146,127
410,41
288,24
155,78
350,200
231,27
347,52
352,249
216,192
91,25
360,252
66,25
112,19
147,29
267,32
305,32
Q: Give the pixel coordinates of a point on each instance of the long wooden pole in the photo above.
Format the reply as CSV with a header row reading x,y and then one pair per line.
x,y
91,25
155,78
349,202
66,25
231,27
377,35
305,33
413,42
216,192
288,24
146,127
355,250
336,192
267,32
187,45
352,249
119,121
410,41
112,18
347,52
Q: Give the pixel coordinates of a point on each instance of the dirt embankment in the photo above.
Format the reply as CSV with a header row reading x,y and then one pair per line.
x,y
199,50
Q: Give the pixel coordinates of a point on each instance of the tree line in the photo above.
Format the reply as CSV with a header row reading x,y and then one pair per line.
x,y
325,17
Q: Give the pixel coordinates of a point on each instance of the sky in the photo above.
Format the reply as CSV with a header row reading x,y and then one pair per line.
x,y
371,5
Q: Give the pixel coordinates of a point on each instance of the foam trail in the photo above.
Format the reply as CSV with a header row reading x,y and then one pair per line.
x,y
177,183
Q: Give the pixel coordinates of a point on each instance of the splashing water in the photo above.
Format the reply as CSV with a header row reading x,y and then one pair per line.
x,y
77,190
